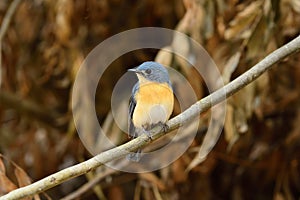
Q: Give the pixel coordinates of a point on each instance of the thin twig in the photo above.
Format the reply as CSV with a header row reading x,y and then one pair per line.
x,y
6,21
196,109
89,185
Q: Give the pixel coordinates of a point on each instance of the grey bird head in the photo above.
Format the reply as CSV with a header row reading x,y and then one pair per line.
x,y
152,71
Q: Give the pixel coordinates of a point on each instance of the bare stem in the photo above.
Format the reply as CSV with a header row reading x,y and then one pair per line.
x,y
196,109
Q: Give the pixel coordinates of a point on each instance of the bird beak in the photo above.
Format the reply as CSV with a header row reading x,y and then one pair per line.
x,y
132,70
135,71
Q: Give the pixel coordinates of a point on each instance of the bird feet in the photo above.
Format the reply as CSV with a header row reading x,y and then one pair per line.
x,y
148,133
164,127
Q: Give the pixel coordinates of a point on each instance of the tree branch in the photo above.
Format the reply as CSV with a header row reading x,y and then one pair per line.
x,y
196,109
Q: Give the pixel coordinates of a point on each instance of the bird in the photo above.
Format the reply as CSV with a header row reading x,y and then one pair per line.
x,y
151,102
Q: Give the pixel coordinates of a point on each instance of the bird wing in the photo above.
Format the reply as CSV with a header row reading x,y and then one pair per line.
x,y
132,104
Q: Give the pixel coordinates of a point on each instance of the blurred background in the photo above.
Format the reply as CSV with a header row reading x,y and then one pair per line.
x,y
258,153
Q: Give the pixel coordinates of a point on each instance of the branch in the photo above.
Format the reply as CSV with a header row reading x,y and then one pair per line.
x,y
76,194
196,109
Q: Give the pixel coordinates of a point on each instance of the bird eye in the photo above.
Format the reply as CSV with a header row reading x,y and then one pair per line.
x,y
148,71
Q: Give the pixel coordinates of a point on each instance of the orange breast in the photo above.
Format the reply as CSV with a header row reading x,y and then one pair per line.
x,y
154,104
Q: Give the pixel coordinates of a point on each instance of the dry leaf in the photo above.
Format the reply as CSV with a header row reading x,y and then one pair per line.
x,y
230,67
235,122
217,124
6,185
211,137
295,5
22,177
64,9
47,41
164,56
240,109
241,25
2,167
258,40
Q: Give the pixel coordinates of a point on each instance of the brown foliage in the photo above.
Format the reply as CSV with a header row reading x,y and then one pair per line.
x,y
256,157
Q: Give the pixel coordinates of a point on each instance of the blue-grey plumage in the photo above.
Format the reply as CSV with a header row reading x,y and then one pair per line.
x,y
151,102
153,71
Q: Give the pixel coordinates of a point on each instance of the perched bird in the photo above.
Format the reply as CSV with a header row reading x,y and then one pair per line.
x,y
151,102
